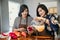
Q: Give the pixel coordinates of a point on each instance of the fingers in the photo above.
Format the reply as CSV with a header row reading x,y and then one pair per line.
x,y
47,21
36,19
39,18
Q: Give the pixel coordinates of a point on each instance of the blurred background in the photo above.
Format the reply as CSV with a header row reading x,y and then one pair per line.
x,y
9,10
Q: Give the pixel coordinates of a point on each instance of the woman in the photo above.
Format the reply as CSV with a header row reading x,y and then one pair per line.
x,y
44,18
23,19
41,19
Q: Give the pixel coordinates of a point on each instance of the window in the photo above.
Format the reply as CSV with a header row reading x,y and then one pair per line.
x,y
13,11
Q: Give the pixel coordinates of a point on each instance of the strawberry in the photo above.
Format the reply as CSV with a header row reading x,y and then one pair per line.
x,y
13,35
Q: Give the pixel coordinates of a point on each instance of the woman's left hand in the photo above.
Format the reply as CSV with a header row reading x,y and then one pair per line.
x,y
30,30
54,21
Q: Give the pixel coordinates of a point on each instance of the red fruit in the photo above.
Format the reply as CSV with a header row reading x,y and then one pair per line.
x,y
4,34
23,34
13,35
30,28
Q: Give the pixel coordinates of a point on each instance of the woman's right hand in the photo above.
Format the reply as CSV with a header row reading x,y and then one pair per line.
x,y
39,18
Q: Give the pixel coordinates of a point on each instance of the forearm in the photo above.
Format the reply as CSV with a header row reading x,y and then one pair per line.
x,y
16,29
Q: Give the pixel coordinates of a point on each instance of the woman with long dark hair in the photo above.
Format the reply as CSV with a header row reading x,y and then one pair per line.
x,y
49,23
23,20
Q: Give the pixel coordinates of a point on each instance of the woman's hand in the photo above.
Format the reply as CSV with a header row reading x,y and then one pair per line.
x,y
39,18
47,21
54,22
30,30
19,29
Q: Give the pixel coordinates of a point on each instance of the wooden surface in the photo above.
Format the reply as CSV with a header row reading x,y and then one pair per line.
x,y
3,38
35,37
43,37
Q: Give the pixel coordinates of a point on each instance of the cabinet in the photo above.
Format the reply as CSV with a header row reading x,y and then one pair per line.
x,y
52,10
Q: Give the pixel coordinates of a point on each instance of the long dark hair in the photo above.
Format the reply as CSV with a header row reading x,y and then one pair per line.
x,y
22,8
43,7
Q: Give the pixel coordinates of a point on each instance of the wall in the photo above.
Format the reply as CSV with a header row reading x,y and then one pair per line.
x,y
0,16
5,16
58,7
50,4
32,4
18,1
